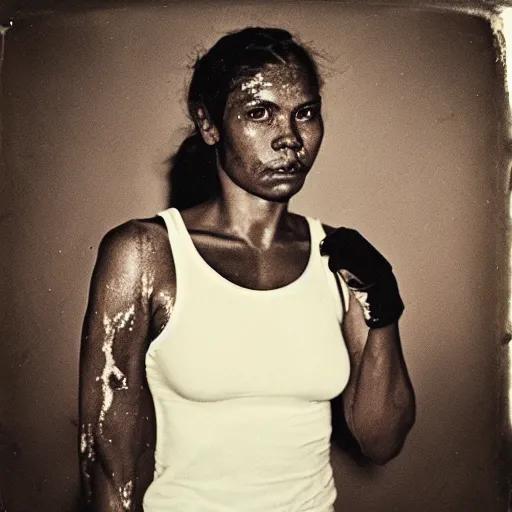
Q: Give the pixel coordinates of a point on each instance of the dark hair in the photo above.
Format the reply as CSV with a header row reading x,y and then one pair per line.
x,y
235,56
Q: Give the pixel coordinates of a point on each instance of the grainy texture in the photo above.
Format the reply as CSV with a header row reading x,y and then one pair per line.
x,y
409,159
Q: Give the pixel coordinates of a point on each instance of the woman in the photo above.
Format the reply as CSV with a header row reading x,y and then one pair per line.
x,y
216,330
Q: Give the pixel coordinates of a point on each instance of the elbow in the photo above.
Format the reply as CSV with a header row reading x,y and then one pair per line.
x,y
383,444
381,451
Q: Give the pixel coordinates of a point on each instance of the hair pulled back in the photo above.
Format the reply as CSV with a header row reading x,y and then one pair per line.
x,y
236,56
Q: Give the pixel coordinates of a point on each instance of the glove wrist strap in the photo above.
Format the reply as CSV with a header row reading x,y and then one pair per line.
x,y
381,302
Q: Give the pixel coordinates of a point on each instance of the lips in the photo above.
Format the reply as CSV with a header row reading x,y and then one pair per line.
x,y
286,167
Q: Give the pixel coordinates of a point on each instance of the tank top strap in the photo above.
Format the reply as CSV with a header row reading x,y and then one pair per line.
x,y
179,241
173,226
316,232
337,285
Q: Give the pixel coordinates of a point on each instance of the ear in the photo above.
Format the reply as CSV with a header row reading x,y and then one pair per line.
x,y
206,126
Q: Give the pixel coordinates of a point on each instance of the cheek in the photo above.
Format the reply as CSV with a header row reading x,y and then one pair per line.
x,y
246,141
313,138
240,135
250,132
249,141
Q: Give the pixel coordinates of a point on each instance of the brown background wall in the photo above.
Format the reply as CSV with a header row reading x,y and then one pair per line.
x,y
92,107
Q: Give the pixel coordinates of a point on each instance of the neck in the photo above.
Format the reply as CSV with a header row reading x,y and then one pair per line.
x,y
259,222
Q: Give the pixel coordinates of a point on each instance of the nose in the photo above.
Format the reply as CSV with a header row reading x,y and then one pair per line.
x,y
287,138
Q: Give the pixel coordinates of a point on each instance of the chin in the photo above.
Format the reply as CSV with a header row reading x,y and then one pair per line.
x,y
282,193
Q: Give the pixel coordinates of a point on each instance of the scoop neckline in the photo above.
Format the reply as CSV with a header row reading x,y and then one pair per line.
x,y
226,282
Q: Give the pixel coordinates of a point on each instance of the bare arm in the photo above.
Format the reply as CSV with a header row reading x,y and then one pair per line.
x,y
379,400
116,411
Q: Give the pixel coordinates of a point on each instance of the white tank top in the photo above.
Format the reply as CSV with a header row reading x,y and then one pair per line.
x,y
241,381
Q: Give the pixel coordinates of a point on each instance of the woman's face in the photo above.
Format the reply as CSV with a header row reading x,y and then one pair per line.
x,y
272,131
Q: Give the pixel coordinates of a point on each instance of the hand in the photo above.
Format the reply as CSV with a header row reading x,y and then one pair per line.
x,y
367,273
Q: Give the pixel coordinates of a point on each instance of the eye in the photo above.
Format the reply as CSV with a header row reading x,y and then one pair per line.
x,y
307,113
259,114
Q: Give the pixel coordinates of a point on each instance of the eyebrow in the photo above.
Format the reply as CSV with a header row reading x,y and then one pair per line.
x,y
317,100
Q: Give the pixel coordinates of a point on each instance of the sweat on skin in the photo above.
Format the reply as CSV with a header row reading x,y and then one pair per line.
x,y
112,380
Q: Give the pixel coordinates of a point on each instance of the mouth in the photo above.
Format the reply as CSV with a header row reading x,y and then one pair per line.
x,y
289,167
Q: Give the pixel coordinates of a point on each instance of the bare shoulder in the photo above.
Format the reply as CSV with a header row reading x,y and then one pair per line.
x,y
134,242
134,266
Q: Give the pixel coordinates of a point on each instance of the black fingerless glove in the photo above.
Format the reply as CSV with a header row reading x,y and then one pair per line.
x,y
372,279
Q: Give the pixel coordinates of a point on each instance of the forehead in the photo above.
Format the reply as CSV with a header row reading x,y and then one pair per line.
x,y
276,82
